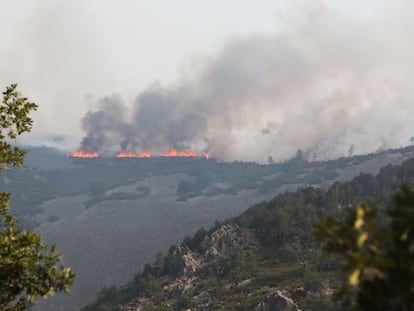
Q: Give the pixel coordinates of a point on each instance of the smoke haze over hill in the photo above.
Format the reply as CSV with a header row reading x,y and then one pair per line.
x,y
256,80
323,83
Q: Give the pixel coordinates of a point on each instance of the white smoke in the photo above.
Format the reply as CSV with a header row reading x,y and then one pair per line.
x,y
328,81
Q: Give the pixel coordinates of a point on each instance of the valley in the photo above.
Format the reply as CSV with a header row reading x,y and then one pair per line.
x,y
111,216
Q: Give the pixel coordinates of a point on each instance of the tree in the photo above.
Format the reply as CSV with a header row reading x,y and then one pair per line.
x,y
29,269
377,256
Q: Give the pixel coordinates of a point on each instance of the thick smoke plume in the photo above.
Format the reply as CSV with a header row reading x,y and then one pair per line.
x,y
323,83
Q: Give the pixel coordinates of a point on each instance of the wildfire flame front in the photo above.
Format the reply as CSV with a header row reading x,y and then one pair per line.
x,y
174,153
81,154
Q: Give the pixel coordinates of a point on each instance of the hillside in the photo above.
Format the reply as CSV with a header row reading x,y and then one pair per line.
x,y
47,174
264,259
110,216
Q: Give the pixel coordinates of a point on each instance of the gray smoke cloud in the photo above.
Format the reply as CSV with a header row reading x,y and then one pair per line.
x,y
323,83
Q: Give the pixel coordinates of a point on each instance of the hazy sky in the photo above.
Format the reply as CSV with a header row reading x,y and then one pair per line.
x,y
66,55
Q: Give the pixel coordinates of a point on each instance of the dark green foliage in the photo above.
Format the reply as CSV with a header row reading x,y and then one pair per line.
x,y
378,259
14,120
194,243
229,266
28,268
147,285
291,215
171,266
183,303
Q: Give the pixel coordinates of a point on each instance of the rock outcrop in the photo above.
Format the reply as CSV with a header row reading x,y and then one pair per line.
x,y
220,243
278,301
225,239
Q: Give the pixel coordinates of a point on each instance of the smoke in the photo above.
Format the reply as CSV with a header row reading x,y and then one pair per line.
x,y
325,82
106,126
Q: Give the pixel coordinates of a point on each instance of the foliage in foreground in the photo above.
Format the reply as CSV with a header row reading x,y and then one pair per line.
x,y
378,258
28,268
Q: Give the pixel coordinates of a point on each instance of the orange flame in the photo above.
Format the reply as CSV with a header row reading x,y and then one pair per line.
x,y
145,154
174,153
127,155
81,154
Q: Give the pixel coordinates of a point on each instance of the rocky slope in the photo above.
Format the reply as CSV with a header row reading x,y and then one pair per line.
x,y
185,281
263,260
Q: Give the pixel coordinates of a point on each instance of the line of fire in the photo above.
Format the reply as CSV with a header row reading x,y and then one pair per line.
x,y
173,153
